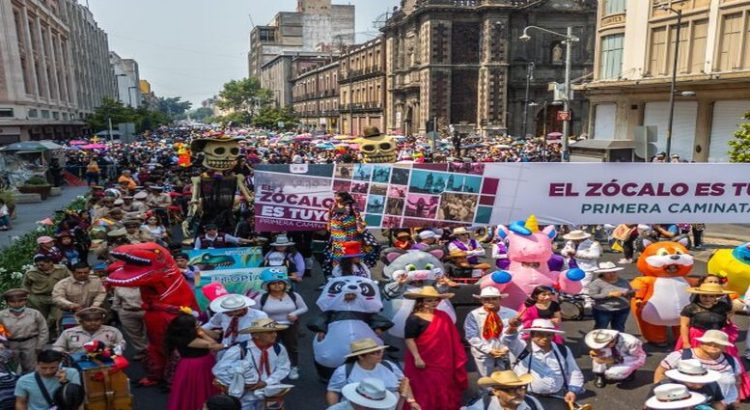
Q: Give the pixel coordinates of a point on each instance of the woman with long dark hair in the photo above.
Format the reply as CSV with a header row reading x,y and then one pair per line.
x,y
345,223
434,353
193,381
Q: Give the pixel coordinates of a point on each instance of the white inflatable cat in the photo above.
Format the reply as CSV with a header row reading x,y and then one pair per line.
x,y
350,306
419,268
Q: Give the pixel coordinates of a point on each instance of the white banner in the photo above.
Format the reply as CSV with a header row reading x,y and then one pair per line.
x,y
405,195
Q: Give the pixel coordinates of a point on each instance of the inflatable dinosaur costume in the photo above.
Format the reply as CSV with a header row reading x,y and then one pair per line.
x,y
164,291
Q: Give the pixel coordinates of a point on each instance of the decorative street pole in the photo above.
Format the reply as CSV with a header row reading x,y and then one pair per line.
x,y
673,83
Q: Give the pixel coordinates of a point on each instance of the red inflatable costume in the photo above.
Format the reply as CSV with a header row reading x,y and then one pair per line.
x,y
164,291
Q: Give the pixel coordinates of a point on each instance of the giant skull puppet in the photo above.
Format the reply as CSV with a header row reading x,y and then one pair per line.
x,y
377,148
213,197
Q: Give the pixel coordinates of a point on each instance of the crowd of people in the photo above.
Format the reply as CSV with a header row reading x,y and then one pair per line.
x,y
243,351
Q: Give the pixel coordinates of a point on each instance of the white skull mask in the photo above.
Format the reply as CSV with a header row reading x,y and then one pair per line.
x,y
378,150
221,156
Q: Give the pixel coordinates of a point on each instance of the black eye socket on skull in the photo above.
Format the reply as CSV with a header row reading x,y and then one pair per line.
x,y
385,146
234,151
220,151
368,148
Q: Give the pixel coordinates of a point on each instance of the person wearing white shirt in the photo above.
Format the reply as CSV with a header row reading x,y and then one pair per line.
x,y
556,374
586,253
483,327
254,371
232,313
284,306
366,361
615,356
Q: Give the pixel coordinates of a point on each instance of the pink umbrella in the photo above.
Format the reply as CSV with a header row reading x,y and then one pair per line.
x,y
94,146
303,137
78,142
353,146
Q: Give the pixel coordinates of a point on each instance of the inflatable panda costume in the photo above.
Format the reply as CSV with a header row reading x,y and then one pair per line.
x,y
350,306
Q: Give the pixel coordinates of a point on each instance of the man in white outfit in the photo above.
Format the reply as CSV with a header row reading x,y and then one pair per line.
x,y
253,372
483,327
585,252
615,356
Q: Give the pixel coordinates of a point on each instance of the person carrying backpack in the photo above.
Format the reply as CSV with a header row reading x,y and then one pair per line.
x,y
35,391
284,306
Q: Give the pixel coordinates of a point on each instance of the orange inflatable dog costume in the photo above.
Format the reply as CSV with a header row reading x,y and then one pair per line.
x,y
661,293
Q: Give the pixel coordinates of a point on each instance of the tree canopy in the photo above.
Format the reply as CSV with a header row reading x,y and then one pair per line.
x,y
739,146
245,95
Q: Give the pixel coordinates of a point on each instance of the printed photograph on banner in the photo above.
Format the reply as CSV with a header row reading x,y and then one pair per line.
x,y
476,168
373,220
360,187
361,201
362,172
226,258
378,189
421,206
340,185
428,182
391,222
375,204
471,184
400,176
397,191
431,166
457,207
344,171
381,173
394,206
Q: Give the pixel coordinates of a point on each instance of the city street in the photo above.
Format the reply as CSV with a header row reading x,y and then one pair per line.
x,y
309,392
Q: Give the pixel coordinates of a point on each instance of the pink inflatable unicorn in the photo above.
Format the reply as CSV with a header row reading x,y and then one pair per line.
x,y
529,249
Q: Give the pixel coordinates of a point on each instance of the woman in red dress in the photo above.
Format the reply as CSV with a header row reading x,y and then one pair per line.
x,y
435,358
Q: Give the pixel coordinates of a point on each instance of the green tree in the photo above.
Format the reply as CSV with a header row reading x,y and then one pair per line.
x,y
147,119
269,117
110,109
201,114
173,106
739,146
244,96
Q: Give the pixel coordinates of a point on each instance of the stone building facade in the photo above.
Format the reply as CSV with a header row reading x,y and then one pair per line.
x,y
315,97
316,25
460,61
277,74
635,48
362,87
53,69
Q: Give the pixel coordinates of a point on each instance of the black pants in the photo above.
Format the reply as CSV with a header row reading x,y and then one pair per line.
x,y
290,339
697,237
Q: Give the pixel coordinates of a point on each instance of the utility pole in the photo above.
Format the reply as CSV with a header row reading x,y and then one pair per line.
x,y
673,83
529,77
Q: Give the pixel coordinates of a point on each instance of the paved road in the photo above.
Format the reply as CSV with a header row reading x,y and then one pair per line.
x,y
309,393
28,214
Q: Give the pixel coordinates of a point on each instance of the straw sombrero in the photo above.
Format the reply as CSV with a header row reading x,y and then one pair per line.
x,y
364,346
710,289
505,378
427,292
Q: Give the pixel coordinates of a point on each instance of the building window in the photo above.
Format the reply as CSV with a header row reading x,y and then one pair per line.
x,y
45,114
6,112
611,57
731,36
614,7
55,115
33,113
658,52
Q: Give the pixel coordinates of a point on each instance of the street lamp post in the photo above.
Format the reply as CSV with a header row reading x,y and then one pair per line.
x,y
529,77
673,82
569,38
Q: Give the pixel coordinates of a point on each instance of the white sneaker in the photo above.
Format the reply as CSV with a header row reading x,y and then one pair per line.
x,y
294,374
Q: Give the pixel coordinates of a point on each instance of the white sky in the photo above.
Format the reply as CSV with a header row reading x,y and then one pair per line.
x,y
190,48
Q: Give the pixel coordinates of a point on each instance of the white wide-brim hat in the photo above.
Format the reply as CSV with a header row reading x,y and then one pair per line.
x,y
490,292
692,371
370,393
672,396
230,303
577,235
543,326
600,338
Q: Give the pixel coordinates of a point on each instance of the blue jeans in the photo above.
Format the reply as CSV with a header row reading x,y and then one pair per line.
x,y
603,319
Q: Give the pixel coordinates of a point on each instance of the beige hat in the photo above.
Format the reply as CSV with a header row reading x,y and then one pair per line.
x,y
264,325
607,266
507,378
95,312
715,336
459,231
15,293
710,289
117,232
577,235
141,195
363,346
427,292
